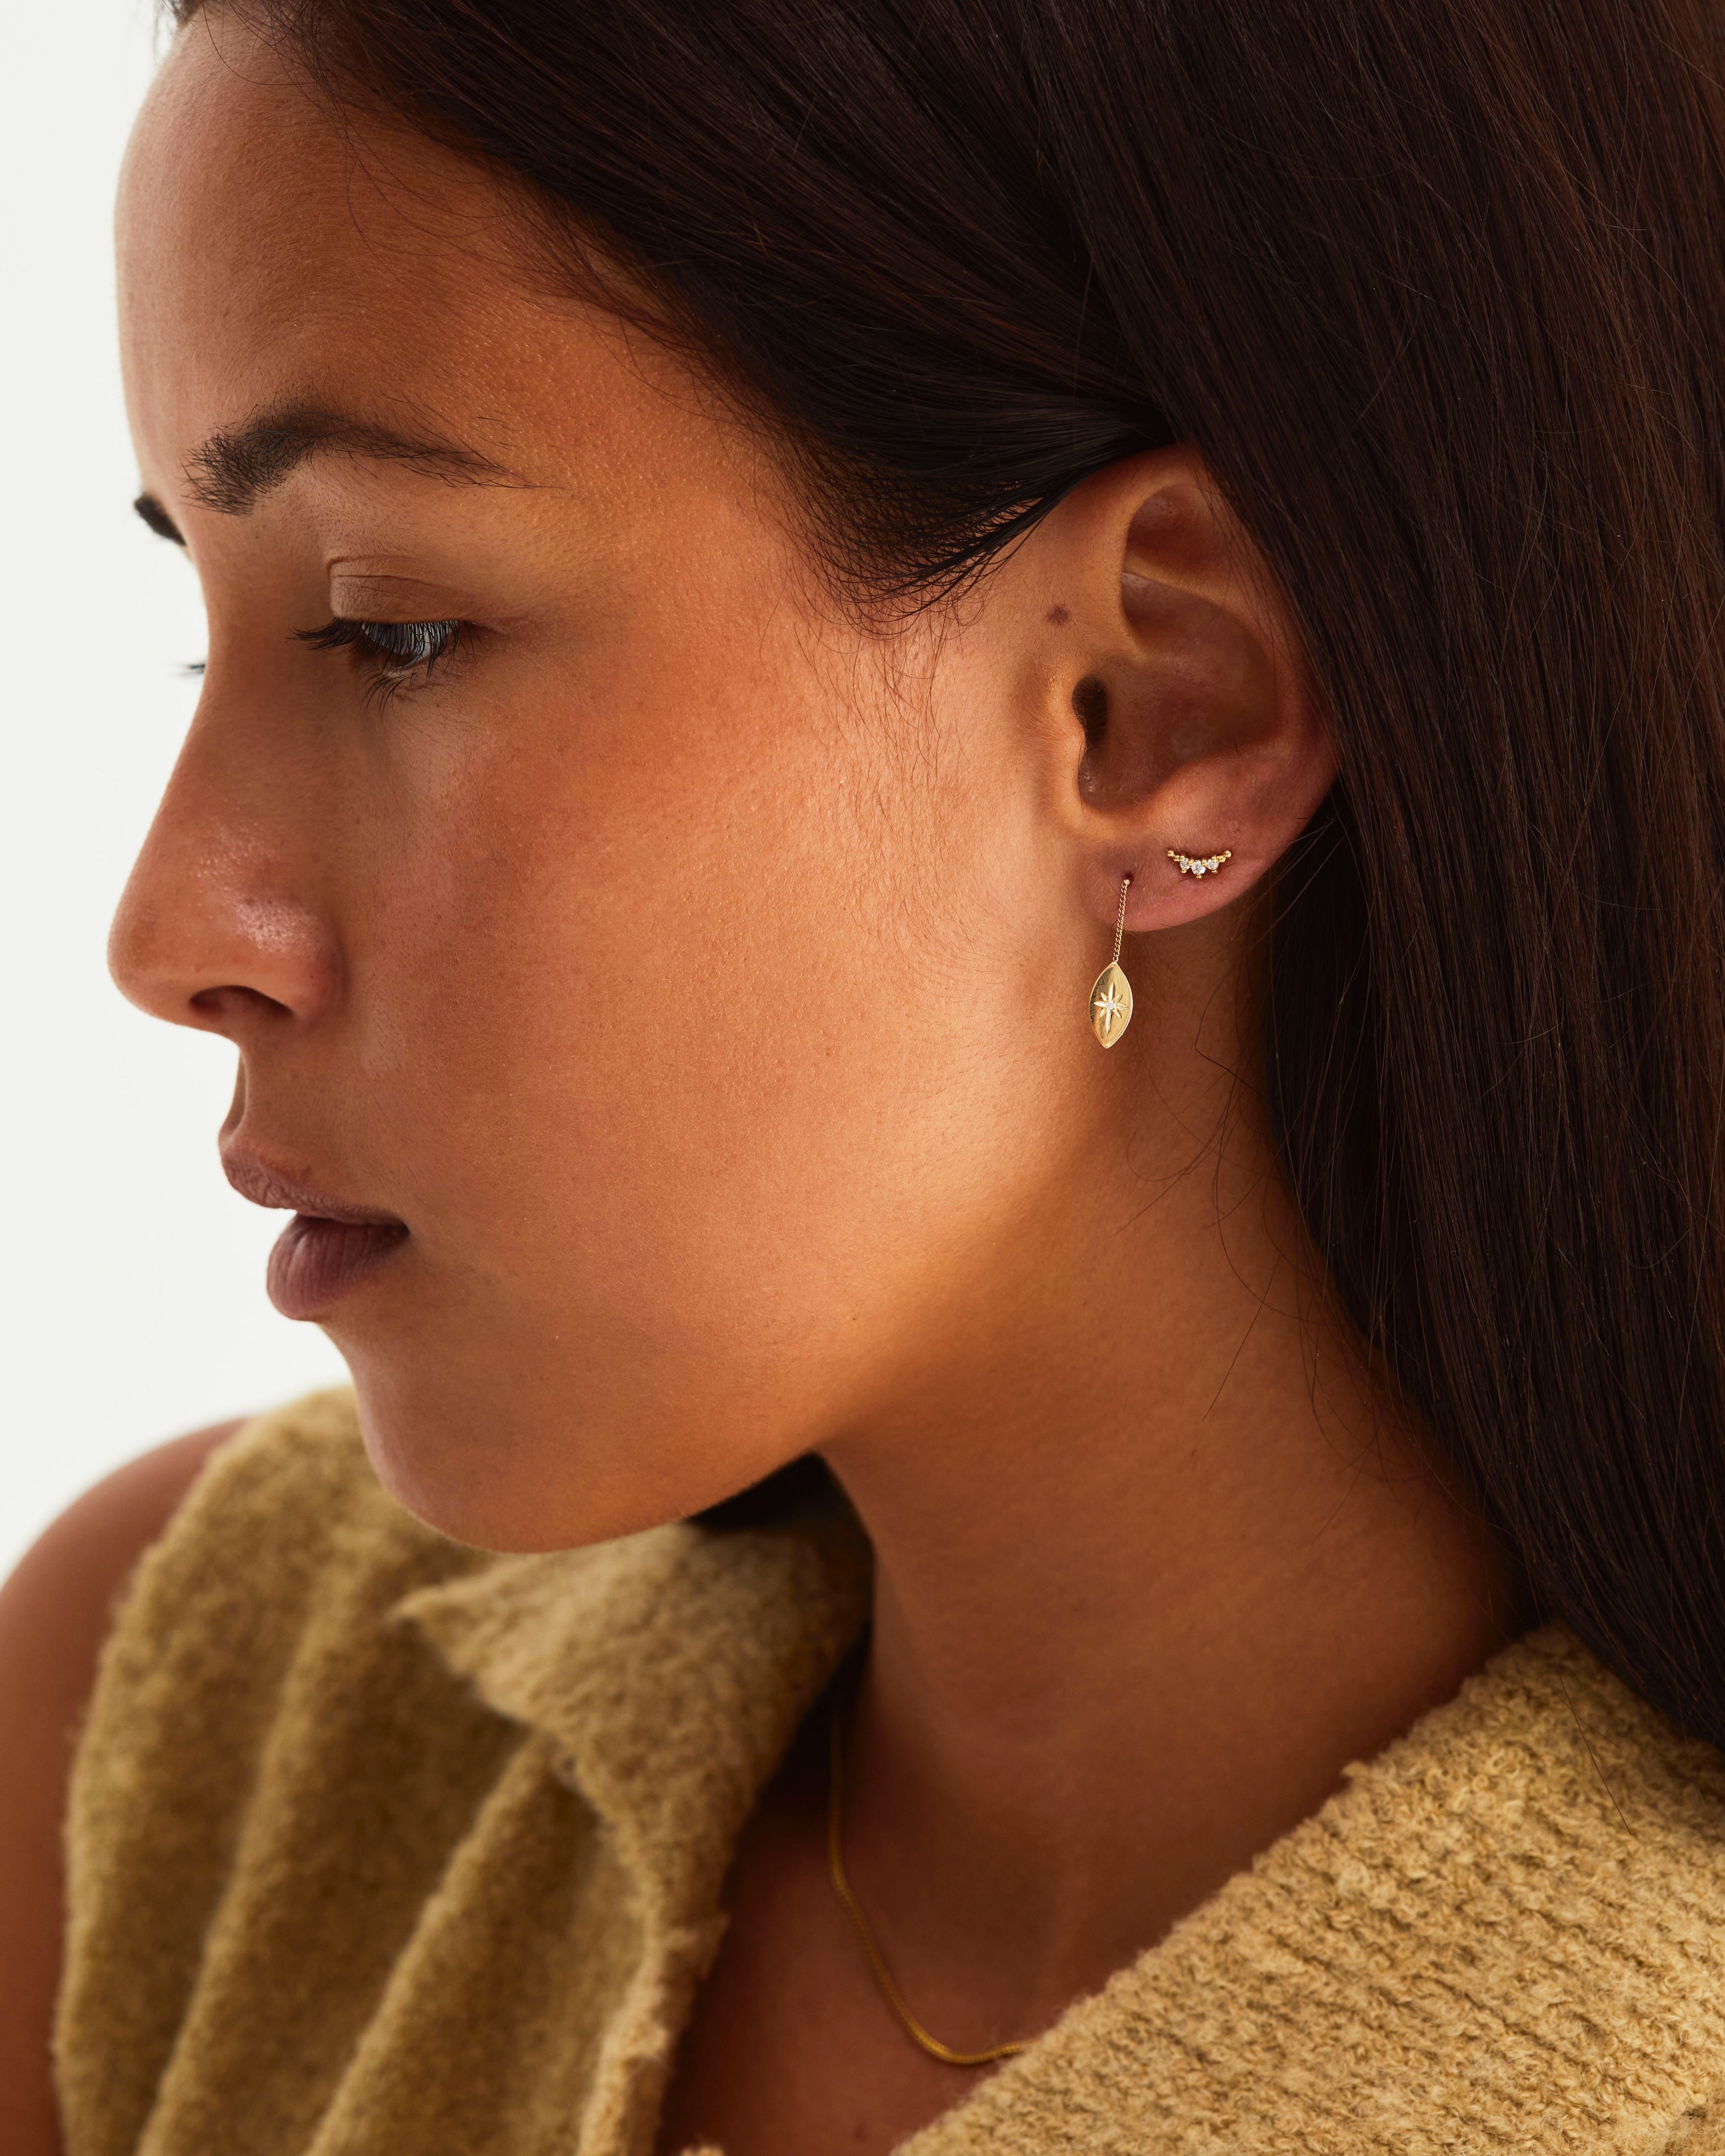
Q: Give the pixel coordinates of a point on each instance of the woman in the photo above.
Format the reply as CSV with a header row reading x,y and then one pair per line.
x,y
960,803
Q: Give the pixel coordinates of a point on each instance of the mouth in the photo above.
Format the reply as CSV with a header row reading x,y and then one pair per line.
x,y
326,1250
316,1261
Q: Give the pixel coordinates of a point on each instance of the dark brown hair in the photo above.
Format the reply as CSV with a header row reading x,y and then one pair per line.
x,y
1437,290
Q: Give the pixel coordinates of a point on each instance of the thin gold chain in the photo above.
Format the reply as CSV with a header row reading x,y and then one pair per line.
x,y
1126,884
841,1886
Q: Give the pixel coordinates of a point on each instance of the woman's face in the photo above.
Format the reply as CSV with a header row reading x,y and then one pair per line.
x,y
696,976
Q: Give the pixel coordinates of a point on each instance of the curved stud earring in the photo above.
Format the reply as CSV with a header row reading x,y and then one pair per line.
x,y
1110,999
1200,864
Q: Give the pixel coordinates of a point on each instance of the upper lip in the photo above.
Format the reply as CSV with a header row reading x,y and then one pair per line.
x,y
265,1186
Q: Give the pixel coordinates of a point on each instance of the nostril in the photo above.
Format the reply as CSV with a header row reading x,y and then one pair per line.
x,y
222,1006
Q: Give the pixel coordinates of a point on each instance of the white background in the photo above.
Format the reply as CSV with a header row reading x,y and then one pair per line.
x,y
132,1301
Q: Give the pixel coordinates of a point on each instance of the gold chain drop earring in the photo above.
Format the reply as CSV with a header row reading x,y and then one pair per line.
x,y
1111,1000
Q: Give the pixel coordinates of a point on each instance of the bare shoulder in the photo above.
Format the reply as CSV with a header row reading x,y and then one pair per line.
x,y
55,1611
68,1579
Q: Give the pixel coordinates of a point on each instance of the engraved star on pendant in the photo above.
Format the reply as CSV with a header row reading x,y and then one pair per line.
x,y
1110,1005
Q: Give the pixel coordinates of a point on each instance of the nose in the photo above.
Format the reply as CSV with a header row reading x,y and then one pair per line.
x,y
215,928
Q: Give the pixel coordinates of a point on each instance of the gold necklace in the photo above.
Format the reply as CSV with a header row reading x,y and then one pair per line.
x,y
841,1886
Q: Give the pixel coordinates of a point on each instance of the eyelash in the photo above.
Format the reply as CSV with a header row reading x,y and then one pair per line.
x,y
393,654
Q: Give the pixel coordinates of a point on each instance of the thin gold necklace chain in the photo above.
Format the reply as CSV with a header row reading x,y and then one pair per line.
x,y
841,1886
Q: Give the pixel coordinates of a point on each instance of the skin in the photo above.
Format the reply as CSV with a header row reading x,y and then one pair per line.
x,y
700,971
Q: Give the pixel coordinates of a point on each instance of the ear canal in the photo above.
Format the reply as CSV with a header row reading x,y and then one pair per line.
x,y
1090,701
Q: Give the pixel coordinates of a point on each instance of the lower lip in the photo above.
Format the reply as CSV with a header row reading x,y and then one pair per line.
x,y
316,1261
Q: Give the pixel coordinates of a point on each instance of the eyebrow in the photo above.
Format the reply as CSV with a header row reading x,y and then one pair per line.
x,y
235,466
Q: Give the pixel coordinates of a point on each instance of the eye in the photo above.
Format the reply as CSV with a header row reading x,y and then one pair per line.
x,y
393,653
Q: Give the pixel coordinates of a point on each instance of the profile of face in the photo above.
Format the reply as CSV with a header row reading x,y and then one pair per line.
x,y
661,989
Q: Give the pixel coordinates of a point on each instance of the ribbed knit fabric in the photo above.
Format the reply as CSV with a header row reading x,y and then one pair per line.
x,y
380,1847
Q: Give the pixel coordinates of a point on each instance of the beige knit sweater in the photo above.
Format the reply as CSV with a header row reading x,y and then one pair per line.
x,y
380,1847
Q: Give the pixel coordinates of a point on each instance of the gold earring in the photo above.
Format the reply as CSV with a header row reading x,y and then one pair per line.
x,y
1199,865
1111,1000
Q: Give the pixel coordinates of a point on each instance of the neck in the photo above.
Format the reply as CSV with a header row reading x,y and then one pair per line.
x,y
1153,1566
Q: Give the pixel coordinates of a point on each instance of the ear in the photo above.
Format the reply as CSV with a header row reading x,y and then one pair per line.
x,y
1175,689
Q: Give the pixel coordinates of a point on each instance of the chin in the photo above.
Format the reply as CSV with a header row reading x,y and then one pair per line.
x,y
491,1467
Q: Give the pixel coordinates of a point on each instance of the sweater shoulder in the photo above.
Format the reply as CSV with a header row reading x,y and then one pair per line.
x,y
284,1517
286,1530
257,1634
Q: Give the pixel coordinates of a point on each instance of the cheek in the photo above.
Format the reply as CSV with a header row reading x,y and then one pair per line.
x,y
632,994
688,1074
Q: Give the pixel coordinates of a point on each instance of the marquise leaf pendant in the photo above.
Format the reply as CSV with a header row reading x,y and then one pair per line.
x,y
1111,1000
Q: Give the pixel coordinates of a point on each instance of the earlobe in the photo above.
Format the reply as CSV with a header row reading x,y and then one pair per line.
x,y
1193,752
